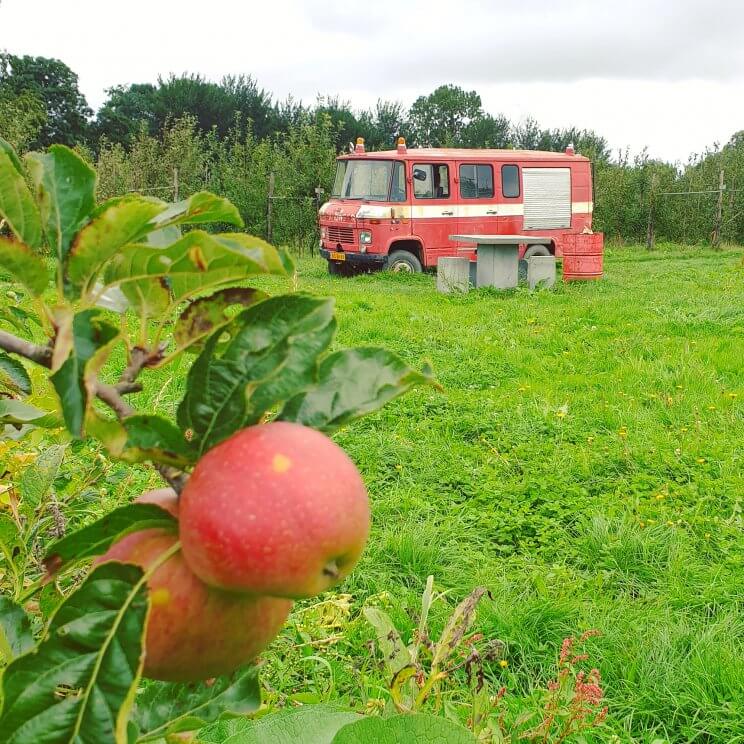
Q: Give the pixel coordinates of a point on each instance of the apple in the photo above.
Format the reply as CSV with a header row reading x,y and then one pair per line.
x,y
277,509
194,631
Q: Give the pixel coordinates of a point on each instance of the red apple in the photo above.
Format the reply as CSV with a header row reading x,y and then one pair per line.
x,y
194,631
277,509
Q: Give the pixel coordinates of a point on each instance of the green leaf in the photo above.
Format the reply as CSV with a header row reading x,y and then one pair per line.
x,y
153,278
16,637
395,653
159,440
270,357
114,224
458,624
199,209
24,266
89,335
308,724
78,685
98,537
204,316
15,412
418,727
352,383
17,206
13,375
15,161
35,481
165,708
65,191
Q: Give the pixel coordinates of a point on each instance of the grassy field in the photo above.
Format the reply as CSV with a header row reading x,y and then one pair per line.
x,y
584,462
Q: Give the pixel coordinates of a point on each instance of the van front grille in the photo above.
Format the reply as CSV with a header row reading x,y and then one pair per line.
x,y
341,234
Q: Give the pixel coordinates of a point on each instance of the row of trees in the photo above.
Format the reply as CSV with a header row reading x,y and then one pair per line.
x,y
187,133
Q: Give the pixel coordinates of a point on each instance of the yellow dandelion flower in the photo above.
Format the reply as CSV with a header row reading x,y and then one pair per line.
x,y
503,663
684,429
732,395
670,523
707,535
560,414
659,496
700,460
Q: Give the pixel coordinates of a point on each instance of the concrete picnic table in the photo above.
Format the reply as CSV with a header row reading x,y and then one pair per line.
x,y
498,257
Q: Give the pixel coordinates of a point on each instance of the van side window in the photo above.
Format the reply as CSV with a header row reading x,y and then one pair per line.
x,y
476,181
398,187
510,180
431,181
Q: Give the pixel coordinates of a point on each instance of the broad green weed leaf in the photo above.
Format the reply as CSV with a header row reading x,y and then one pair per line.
x,y
394,652
15,630
13,375
204,316
418,727
24,266
78,685
88,334
352,383
458,624
308,724
271,356
36,480
17,206
165,708
98,537
199,209
114,224
65,191
158,439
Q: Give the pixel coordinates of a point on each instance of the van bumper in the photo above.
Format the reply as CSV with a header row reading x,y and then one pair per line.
x,y
368,260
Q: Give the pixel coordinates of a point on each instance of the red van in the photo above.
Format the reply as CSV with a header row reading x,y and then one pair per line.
x,y
398,208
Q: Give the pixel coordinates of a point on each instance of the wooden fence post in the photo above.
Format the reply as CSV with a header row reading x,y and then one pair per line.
x,y
175,184
650,223
269,209
716,242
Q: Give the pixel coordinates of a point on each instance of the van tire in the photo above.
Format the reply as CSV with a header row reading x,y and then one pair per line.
x,y
403,262
532,250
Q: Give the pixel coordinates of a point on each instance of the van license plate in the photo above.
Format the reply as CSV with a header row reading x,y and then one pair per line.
x,y
335,256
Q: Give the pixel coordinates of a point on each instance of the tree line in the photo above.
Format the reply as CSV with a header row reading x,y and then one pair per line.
x,y
186,133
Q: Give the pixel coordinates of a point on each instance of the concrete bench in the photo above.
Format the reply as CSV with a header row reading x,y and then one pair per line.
x,y
453,275
541,271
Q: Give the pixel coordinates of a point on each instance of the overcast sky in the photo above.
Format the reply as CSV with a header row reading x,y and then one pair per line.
x,y
668,74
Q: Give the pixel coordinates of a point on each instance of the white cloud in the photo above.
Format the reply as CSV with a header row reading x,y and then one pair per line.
x,y
667,75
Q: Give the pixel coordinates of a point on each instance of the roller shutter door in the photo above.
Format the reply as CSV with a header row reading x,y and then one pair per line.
x,y
547,198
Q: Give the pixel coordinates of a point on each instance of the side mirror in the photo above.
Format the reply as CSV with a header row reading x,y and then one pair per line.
x,y
419,175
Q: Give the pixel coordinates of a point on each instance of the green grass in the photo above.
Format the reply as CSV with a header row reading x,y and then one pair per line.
x,y
584,461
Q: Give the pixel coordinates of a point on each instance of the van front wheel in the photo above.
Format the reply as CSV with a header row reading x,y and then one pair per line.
x,y
403,262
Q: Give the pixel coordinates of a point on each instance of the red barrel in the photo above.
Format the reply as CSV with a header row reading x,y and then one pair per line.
x,y
582,256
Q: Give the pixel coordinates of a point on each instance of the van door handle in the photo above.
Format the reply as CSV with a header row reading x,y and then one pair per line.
x,y
448,213
492,211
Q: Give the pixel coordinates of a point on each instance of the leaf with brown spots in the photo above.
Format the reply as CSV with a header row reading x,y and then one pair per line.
x,y
207,314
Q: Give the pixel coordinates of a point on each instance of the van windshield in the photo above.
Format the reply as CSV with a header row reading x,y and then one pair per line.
x,y
363,179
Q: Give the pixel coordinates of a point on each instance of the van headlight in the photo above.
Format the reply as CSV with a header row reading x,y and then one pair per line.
x,y
365,237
